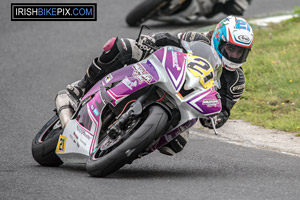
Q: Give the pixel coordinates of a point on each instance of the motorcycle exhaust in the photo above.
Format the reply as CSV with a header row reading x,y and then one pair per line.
x,y
64,109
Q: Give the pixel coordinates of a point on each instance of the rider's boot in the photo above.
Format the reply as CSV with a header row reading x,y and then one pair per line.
x,y
176,145
117,53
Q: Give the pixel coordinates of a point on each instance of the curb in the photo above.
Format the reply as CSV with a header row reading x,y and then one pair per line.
x,y
243,133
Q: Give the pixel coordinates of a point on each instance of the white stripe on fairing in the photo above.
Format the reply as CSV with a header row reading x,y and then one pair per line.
x,y
179,78
111,94
114,96
193,103
164,58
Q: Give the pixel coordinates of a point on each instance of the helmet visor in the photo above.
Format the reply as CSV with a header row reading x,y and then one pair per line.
x,y
234,53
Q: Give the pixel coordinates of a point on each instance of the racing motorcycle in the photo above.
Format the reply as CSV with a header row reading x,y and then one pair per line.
x,y
183,11
135,110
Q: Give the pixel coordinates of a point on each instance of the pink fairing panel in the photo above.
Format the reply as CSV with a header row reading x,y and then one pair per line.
x,y
207,103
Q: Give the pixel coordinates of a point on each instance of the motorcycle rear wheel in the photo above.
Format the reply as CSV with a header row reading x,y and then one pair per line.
x,y
144,11
44,144
103,162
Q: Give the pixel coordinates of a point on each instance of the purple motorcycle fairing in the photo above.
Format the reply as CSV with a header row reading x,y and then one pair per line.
x,y
207,103
129,80
175,65
132,78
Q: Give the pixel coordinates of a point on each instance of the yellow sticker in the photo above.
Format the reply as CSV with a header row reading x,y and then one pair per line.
x,y
61,144
200,67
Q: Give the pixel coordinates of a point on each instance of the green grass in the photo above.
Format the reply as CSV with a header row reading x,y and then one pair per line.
x,y
272,95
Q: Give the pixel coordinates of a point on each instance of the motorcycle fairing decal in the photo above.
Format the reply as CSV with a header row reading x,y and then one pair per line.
x,y
61,145
200,67
94,107
86,139
175,66
141,74
134,77
108,78
206,103
129,83
77,139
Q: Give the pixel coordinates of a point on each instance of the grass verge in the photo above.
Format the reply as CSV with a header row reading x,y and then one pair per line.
x,y
272,95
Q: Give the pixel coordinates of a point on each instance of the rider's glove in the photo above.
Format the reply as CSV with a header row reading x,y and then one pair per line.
x,y
145,43
220,121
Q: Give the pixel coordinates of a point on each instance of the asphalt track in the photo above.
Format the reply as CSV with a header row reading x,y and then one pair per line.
x,y
39,58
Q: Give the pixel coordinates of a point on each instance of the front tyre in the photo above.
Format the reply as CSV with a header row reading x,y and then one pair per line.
x,y
44,144
110,155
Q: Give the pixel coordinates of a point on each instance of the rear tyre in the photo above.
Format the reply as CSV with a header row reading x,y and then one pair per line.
x,y
44,144
110,155
144,11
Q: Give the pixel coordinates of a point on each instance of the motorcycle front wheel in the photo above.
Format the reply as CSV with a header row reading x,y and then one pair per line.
x,y
44,144
112,154
144,11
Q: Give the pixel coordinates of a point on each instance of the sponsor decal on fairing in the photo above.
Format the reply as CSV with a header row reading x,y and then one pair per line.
x,y
129,83
210,102
141,74
108,78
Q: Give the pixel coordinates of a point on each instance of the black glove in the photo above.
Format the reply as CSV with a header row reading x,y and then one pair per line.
x,y
166,39
221,120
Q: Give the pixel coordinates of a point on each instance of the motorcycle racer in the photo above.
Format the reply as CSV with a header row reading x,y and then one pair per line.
x,y
228,7
232,39
184,11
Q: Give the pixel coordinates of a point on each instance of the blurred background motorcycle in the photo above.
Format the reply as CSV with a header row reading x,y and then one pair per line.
x,y
183,11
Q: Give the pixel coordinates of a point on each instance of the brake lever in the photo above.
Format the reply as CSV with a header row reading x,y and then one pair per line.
x,y
139,36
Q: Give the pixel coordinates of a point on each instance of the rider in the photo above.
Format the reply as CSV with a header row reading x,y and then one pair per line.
x,y
228,7
192,9
232,39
